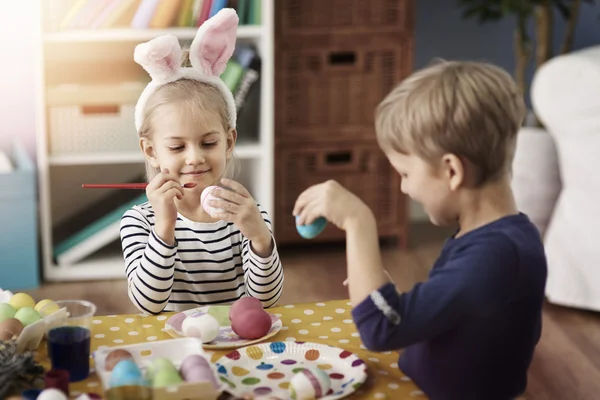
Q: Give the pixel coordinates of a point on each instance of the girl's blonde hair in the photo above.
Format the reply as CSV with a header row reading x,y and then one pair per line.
x,y
195,100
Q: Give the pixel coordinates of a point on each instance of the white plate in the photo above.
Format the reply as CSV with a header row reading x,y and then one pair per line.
x,y
266,369
227,339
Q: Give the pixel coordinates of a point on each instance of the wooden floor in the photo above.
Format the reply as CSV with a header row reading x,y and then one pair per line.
x,y
567,360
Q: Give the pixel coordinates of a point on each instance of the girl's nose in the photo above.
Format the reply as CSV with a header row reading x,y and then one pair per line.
x,y
195,156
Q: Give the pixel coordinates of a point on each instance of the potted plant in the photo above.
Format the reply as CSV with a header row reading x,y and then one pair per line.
x,y
536,176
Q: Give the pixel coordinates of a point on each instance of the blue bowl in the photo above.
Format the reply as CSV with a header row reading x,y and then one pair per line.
x,y
313,229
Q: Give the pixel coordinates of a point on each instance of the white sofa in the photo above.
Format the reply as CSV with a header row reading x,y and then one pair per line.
x,y
565,95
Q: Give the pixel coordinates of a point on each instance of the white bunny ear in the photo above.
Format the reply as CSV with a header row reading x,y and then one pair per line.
x,y
160,57
214,42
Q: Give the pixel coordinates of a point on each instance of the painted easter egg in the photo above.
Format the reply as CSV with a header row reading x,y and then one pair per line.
x,y
126,373
115,356
312,230
309,384
27,315
207,195
6,311
252,324
244,304
10,328
204,327
20,300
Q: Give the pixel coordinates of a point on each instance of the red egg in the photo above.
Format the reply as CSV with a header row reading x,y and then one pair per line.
x,y
251,324
115,356
244,304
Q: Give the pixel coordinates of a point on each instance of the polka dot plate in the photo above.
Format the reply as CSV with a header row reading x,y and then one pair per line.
x,y
266,369
227,339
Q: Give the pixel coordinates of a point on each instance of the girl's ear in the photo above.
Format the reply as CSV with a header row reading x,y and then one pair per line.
x,y
160,57
231,139
148,151
214,43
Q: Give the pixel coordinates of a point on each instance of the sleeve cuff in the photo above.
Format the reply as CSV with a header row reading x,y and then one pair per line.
x,y
384,300
158,241
263,260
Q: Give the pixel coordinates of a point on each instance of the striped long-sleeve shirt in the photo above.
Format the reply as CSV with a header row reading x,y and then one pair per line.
x,y
211,263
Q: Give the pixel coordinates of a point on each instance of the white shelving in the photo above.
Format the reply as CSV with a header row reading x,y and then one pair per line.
x,y
256,156
141,35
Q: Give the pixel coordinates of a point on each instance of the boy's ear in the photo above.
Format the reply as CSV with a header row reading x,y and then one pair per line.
x,y
453,170
148,150
231,139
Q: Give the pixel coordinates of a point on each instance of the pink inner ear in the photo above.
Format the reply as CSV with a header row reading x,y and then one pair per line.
x,y
161,57
216,45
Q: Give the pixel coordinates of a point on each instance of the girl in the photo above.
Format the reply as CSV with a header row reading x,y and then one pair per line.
x,y
178,256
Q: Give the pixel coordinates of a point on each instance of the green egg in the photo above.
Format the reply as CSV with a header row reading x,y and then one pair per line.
x,y
166,377
160,364
27,316
6,311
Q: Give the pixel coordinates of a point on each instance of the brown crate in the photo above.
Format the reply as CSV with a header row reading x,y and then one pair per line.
x,y
361,168
296,17
327,86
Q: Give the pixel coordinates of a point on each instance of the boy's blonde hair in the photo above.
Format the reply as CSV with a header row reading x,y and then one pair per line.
x,y
194,100
471,109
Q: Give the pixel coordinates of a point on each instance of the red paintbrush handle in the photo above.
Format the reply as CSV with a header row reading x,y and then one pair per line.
x,y
126,185
115,186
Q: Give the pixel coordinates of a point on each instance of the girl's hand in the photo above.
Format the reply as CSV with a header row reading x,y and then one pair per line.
x,y
331,201
161,192
240,208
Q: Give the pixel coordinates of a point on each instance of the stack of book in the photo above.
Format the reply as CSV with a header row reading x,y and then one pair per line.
x,y
148,14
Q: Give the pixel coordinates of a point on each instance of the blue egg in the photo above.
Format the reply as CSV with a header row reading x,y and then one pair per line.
x,y
126,373
312,230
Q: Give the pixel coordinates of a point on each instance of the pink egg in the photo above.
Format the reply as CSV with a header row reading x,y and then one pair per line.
x,y
244,304
252,324
207,195
193,361
201,374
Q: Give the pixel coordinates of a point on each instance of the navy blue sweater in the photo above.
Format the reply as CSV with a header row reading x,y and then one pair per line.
x,y
469,331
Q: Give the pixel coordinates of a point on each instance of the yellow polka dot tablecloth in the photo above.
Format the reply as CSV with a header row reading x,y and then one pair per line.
x,y
328,323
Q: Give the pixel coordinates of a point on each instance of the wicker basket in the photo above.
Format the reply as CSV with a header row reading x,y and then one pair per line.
x,y
363,169
318,16
329,85
92,119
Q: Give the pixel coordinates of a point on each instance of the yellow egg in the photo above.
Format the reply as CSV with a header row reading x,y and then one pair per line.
x,y
20,300
48,307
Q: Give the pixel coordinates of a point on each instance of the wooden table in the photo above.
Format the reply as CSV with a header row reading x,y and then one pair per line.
x,y
328,323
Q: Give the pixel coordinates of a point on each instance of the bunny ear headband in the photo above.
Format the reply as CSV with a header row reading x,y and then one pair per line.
x,y
210,50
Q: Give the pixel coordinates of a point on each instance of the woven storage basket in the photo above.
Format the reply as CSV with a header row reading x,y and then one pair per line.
x,y
295,17
329,85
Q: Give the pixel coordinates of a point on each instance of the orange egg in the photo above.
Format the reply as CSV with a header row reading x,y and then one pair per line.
x,y
10,328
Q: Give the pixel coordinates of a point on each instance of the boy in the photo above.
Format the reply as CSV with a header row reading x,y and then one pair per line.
x,y
469,331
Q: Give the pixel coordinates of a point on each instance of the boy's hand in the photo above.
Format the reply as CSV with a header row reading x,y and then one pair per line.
x,y
331,201
161,192
240,208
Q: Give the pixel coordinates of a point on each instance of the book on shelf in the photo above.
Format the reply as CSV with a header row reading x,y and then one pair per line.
x,y
146,14
93,236
242,77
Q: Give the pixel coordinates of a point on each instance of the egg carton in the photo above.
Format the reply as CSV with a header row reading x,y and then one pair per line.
x,y
175,350
31,336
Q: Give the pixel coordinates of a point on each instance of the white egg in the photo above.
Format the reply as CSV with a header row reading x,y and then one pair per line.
x,y
52,394
309,384
204,327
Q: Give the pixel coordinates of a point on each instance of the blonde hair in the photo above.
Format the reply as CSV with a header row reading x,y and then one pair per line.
x,y
471,109
194,100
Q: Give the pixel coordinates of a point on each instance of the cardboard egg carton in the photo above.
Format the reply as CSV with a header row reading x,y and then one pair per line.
x,y
175,350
